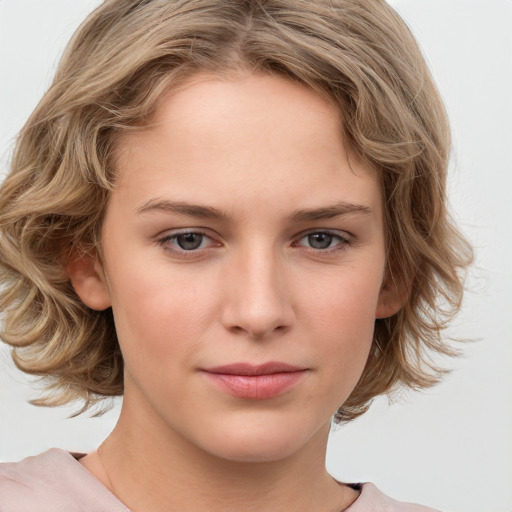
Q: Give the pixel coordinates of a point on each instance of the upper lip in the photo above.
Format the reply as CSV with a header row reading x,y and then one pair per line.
x,y
250,369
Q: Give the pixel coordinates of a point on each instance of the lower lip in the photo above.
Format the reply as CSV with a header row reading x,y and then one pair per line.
x,y
256,387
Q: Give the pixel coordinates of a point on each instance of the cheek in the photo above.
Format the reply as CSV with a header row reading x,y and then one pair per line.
x,y
341,317
344,299
160,316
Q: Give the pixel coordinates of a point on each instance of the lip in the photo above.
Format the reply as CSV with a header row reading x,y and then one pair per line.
x,y
255,382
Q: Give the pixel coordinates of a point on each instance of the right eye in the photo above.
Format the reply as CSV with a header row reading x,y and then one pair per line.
x,y
189,241
186,242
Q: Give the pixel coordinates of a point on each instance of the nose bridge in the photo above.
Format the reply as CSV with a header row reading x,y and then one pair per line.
x,y
259,302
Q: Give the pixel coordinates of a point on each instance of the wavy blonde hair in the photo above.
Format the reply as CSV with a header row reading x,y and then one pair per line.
x,y
119,63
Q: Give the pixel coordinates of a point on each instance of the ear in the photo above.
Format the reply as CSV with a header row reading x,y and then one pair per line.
x,y
88,279
392,297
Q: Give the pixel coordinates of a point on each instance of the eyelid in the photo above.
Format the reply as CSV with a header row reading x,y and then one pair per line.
x,y
345,240
165,239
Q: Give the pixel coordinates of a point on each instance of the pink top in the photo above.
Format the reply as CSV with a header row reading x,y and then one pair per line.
x,y
56,482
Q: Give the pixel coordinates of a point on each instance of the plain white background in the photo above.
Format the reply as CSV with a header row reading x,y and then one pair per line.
x,y
450,447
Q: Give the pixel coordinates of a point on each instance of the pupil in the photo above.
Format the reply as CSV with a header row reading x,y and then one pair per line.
x,y
189,241
320,240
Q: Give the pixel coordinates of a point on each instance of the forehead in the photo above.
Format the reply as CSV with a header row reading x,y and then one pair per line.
x,y
259,96
253,135
206,104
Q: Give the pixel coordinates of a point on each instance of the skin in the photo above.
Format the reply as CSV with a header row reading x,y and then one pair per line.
x,y
267,154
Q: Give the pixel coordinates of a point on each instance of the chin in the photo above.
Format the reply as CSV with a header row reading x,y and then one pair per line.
x,y
259,443
256,452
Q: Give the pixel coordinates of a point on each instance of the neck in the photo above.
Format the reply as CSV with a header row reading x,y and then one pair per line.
x,y
163,471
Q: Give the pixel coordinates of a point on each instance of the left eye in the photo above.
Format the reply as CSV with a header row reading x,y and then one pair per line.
x,y
322,240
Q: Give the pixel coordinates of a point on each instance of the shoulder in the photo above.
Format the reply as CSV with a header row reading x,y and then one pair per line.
x,y
373,500
25,483
53,482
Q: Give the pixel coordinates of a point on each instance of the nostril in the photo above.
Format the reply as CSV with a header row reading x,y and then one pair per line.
x,y
262,308
257,333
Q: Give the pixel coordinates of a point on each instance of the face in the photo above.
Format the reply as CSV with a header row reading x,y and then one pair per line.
x,y
243,256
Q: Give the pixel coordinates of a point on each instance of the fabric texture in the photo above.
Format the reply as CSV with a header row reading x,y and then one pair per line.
x,y
56,482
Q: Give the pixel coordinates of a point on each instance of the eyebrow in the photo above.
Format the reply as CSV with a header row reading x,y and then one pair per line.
x,y
182,208
329,212
209,212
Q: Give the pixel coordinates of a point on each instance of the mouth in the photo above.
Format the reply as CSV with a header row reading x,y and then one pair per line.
x,y
255,382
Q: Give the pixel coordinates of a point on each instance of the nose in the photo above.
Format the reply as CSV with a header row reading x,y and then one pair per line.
x,y
258,302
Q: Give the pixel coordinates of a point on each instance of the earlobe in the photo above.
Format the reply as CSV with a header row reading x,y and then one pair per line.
x,y
391,300
88,280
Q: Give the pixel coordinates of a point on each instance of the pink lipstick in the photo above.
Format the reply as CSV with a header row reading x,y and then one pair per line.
x,y
260,382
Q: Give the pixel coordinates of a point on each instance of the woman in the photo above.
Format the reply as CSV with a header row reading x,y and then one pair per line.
x,y
234,214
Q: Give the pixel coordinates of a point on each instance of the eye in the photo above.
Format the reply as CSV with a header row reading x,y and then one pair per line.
x,y
189,241
186,241
323,241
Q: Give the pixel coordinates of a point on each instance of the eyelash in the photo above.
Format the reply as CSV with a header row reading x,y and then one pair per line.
x,y
343,241
169,242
